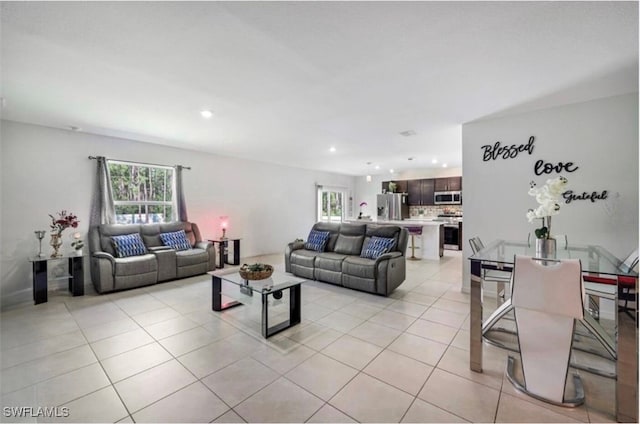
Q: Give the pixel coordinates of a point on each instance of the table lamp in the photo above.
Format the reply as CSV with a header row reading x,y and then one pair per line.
x,y
223,224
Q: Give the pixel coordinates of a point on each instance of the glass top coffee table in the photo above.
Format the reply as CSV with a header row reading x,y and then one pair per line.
x,y
274,286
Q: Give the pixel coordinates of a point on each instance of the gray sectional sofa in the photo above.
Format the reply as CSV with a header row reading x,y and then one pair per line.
x,y
340,262
161,263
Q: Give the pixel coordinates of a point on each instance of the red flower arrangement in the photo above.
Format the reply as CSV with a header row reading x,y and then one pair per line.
x,y
64,221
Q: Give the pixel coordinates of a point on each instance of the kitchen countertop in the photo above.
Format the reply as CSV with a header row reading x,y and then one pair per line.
x,y
412,222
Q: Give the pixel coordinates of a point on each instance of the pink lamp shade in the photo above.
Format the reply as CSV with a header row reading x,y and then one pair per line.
x,y
224,223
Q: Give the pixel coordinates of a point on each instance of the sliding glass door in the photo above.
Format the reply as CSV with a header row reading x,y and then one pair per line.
x,y
332,204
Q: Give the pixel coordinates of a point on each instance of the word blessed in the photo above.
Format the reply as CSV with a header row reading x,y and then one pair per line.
x,y
569,196
35,412
506,152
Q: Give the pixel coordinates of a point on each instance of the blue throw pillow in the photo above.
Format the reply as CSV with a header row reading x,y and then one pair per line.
x,y
176,240
317,240
128,245
376,247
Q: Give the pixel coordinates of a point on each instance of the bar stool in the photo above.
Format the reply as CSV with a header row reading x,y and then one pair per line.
x,y
414,231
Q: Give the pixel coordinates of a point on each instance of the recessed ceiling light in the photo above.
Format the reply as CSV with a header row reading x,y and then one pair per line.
x,y
391,171
377,166
74,128
368,163
332,149
407,133
206,114
444,165
411,158
434,161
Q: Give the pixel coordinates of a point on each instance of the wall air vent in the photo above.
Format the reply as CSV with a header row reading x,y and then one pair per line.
x,y
407,133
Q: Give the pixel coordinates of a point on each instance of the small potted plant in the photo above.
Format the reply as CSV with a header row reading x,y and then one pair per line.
x,y
77,243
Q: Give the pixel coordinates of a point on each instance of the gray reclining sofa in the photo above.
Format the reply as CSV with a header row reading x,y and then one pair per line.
x,y
341,263
159,263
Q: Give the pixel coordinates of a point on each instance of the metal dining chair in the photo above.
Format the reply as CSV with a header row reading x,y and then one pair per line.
x,y
547,299
625,284
498,276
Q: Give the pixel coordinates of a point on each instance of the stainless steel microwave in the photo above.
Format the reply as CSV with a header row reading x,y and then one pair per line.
x,y
447,198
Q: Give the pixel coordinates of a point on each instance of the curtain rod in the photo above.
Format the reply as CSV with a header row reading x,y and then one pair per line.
x,y
140,163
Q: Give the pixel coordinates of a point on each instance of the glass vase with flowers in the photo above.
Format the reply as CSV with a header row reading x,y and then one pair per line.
x,y
59,223
548,198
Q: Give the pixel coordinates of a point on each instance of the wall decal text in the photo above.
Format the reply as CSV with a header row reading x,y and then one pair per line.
x,y
570,196
542,167
506,152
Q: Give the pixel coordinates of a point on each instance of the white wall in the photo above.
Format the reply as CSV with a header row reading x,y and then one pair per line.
x,y
366,192
599,136
45,170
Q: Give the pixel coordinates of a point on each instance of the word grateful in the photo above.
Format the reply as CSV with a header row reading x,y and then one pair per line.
x,y
506,152
569,196
543,167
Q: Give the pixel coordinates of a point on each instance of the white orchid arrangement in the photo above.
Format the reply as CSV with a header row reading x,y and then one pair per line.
x,y
548,197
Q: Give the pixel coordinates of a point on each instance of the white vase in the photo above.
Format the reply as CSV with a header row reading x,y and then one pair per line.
x,y
546,248
78,252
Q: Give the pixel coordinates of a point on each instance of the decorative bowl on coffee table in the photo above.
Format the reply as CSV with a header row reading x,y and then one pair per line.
x,y
256,271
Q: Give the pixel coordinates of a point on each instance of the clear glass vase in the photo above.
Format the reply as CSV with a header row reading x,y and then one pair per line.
x,y
56,243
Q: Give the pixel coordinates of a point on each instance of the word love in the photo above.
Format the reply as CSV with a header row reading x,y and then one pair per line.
x,y
569,196
506,152
542,167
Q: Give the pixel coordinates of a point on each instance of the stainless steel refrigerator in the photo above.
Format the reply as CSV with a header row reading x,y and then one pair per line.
x,y
392,207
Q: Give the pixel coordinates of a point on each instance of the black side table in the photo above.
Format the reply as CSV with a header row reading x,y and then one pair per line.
x,y
75,277
223,251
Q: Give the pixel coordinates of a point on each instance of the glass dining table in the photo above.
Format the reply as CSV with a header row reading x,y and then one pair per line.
x,y
623,345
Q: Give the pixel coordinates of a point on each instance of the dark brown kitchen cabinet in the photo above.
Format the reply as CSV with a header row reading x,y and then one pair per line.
x,y
448,184
455,183
415,192
428,188
401,186
420,192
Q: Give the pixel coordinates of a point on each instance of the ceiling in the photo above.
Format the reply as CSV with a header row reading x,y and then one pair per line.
x,y
288,80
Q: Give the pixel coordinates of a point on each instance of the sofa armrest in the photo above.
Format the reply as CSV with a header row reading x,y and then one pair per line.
x,y
390,272
103,268
104,255
206,245
387,256
294,245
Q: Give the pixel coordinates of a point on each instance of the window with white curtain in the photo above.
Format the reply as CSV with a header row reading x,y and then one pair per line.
x,y
142,193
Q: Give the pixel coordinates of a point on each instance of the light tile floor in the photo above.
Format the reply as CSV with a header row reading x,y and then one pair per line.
x,y
160,354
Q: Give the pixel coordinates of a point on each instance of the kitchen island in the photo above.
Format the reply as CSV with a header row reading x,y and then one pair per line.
x,y
429,245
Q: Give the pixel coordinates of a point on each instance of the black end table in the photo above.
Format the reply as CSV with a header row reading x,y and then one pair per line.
x,y
75,276
223,251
